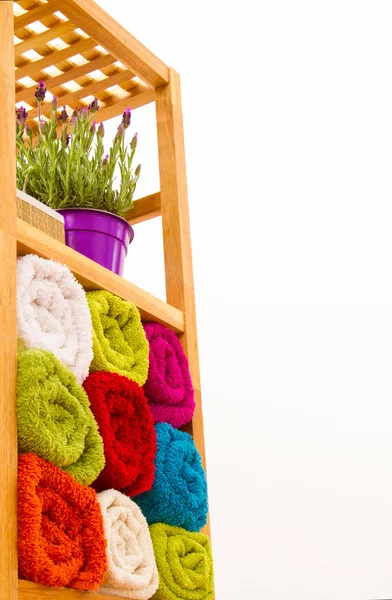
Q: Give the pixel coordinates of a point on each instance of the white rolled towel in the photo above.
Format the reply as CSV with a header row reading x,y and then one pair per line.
x,y
53,313
132,570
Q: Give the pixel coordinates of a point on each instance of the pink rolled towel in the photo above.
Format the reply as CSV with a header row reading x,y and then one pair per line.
x,y
168,388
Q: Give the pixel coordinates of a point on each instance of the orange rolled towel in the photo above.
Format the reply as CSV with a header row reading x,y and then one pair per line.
x,y
60,530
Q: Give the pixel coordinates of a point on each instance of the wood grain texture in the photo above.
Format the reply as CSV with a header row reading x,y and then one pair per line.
x,y
34,69
8,432
7,121
144,209
176,234
34,41
73,74
35,14
33,591
99,25
94,277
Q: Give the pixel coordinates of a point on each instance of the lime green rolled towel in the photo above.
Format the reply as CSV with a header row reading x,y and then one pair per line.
x,y
119,341
184,563
54,416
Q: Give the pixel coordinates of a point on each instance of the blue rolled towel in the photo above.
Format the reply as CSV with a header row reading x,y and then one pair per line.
x,y
179,494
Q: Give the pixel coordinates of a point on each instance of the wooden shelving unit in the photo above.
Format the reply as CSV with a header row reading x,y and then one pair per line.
x,y
80,51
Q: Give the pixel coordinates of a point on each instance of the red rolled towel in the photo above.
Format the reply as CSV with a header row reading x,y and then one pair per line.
x,y
127,429
168,388
61,538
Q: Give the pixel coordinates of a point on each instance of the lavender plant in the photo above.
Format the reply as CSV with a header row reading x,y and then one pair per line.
x,y
69,168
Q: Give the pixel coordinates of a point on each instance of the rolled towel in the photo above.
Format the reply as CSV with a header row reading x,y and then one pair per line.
x,y
53,313
179,494
54,417
132,570
168,388
119,342
184,563
127,429
61,539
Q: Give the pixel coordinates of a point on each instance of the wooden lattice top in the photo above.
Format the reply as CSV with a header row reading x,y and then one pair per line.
x,y
80,52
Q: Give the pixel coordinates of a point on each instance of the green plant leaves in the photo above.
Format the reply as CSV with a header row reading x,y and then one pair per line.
x,y
70,170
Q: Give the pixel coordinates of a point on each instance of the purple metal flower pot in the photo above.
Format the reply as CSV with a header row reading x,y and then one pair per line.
x,y
100,235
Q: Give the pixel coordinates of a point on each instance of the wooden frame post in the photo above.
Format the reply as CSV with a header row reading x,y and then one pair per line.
x,y
8,429
176,233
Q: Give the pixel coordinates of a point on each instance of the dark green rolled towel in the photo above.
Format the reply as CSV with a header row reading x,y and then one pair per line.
x,y
54,417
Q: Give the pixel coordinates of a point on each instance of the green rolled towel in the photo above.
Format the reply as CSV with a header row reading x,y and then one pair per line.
x,y
184,563
119,341
54,417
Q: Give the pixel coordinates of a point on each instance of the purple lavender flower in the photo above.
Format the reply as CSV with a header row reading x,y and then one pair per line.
x,y
101,130
44,127
134,142
126,119
137,170
64,116
93,127
67,138
93,106
105,160
40,92
22,115
120,132
83,113
75,113
55,104
28,130
74,124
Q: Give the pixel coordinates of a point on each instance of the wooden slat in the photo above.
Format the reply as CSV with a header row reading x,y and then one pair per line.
x,y
35,14
8,431
34,41
88,90
176,234
140,97
72,74
29,4
144,209
93,277
33,591
116,39
33,69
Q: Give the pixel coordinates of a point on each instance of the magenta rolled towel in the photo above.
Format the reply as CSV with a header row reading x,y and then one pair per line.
x,y
168,388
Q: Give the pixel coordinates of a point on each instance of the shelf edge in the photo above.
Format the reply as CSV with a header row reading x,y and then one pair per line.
x,y
92,276
28,590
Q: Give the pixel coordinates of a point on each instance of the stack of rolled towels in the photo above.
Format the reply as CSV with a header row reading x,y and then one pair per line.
x,y
111,494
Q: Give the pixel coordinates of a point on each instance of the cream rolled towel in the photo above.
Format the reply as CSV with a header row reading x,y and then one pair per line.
x,y
53,313
132,571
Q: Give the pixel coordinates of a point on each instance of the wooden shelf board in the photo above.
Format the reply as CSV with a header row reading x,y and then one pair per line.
x,y
92,276
144,209
27,590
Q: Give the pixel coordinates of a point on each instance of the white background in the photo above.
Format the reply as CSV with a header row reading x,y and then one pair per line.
x,y
288,124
